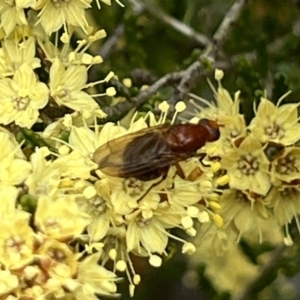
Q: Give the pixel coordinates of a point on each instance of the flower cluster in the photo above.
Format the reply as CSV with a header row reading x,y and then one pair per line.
x,y
37,257
83,216
262,162
127,215
27,47
65,220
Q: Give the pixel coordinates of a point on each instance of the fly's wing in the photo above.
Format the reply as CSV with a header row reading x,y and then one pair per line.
x,y
135,153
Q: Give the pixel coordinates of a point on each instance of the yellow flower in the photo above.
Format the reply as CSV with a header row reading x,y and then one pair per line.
x,y
225,106
60,218
13,54
8,282
66,87
45,178
8,201
59,271
100,223
12,13
55,14
95,201
13,171
52,252
243,211
149,234
278,124
247,167
84,139
74,164
84,282
16,243
130,215
95,277
66,53
225,110
286,166
285,203
22,97
232,128
9,145
8,210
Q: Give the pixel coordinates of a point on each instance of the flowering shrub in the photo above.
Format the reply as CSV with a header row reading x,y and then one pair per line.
x,y
69,229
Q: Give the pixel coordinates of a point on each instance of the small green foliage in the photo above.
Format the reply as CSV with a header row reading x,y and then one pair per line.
x,y
33,139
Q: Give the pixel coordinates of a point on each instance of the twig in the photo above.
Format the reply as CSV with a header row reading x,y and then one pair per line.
x,y
220,36
142,77
188,77
120,108
230,18
186,30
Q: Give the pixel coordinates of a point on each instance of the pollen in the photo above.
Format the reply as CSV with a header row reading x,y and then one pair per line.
x,y
203,217
214,205
136,279
187,222
97,59
275,131
30,272
65,38
57,255
219,74
121,265
51,223
193,211
127,82
64,150
223,180
99,205
90,192
16,243
111,91
288,241
63,93
164,106
21,103
248,165
287,165
109,76
155,261
191,231
218,220
215,166
180,106
188,248
289,193
112,254
131,290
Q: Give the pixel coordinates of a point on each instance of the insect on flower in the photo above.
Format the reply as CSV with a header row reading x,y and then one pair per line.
x,y
148,153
